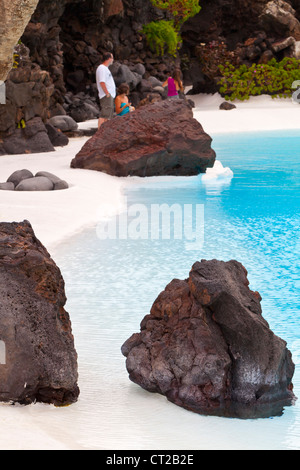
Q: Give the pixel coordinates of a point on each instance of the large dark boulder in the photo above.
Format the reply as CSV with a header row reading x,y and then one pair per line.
x,y
161,138
207,348
32,139
35,330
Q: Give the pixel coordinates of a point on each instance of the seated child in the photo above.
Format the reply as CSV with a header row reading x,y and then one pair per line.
x,y
121,102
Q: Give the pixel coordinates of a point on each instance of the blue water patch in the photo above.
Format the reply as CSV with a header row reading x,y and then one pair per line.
x,y
254,218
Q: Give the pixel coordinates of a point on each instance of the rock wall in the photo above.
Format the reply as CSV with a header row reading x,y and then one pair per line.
x,y
233,20
66,40
253,31
28,94
15,15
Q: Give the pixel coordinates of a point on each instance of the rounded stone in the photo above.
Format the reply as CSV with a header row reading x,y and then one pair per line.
x,y
7,186
61,184
38,183
50,176
64,123
17,176
227,106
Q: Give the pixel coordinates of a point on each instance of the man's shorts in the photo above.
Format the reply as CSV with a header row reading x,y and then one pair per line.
x,y
107,107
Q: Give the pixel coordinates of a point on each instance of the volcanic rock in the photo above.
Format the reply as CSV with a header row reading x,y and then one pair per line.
x,y
39,183
28,95
24,180
161,138
123,74
17,176
14,18
56,136
64,123
41,361
7,186
278,16
227,106
58,183
32,139
207,347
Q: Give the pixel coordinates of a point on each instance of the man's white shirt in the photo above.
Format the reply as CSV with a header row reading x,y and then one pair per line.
x,y
103,74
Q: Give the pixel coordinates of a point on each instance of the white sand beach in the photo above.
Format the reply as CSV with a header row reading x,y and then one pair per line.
x,y
259,113
56,215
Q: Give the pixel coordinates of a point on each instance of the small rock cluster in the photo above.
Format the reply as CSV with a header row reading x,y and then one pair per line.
x,y
142,85
24,180
261,49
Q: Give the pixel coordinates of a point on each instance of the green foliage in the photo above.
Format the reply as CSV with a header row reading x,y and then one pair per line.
x,y
181,10
274,78
162,37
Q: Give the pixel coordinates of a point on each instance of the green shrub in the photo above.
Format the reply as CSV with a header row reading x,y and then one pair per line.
x,y
181,10
274,78
162,37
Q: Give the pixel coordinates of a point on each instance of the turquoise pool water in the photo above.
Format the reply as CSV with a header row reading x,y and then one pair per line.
x,y
111,284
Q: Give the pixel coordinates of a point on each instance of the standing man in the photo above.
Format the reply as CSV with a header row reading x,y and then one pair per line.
x,y
106,88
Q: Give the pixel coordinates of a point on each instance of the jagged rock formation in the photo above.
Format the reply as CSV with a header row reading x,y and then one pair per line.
x,y
254,31
15,15
161,138
279,17
40,357
206,346
66,40
28,93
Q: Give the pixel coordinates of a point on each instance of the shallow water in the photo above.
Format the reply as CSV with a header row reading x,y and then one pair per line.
x,y
111,285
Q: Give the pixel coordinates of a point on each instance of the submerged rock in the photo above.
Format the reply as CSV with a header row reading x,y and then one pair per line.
x,y
35,330
207,348
161,138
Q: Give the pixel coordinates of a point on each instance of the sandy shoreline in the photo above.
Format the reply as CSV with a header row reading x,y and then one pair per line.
x,y
56,215
259,113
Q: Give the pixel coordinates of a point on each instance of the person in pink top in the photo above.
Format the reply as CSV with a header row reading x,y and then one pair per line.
x,y
174,85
